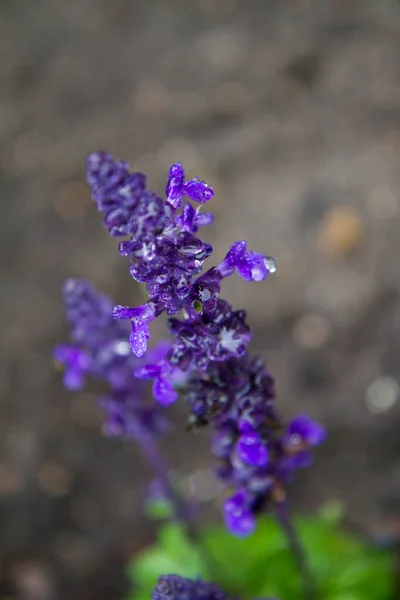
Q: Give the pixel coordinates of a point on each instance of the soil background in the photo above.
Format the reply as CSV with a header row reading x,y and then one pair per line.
x,y
291,110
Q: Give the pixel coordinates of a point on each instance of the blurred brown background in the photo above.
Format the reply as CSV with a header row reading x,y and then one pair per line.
x,y
291,109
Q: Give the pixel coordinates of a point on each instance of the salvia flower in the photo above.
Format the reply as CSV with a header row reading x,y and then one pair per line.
x,y
168,257
257,453
99,348
207,360
174,587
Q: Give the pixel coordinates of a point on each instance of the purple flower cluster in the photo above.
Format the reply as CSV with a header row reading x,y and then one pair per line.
x,y
257,453
207,360
99,348
173,587
167,256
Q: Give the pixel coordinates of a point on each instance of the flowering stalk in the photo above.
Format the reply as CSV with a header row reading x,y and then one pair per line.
x,y
151,453
100,349
207,360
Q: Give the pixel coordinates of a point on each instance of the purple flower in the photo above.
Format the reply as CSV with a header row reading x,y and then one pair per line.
x,y
207,359
115,190
128,416
257,455
99,348
239,518
198,190
252,450
191,219
301,435
77,364
164,392
252,266
140,317
165,253
174,587
174,188
302,430
139,336
177,188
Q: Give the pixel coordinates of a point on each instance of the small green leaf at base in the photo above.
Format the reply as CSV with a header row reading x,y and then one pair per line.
x,y
343,567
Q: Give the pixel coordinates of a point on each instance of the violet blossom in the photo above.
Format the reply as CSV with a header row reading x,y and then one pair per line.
x,y
174,587
208,361
257,452
99,348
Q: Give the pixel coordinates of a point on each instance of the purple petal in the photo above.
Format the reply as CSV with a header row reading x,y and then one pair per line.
x,y
159,351
139,336
163,392
252,450
173,190
74,379
307,430
123,312
198,190
148,371
239,519
116,221
252,267
72,357
145,312
203,219
300,460
187,218
235,253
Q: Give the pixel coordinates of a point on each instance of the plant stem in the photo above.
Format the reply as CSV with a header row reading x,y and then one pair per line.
x,y
183,511
155,459
286,523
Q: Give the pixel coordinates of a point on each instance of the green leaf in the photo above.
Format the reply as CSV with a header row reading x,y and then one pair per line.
x,y
172,554
138,596
237,559
147,568
343,567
